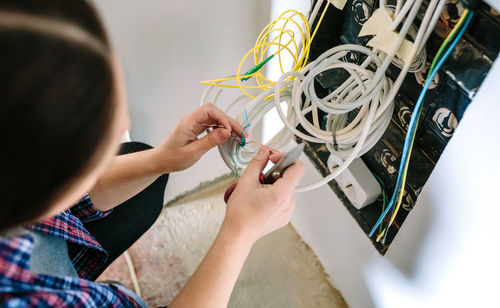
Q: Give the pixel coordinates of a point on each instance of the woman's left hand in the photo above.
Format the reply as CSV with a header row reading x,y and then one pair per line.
x,y
182,148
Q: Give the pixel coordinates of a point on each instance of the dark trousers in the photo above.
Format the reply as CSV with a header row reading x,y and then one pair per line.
x,y
131,219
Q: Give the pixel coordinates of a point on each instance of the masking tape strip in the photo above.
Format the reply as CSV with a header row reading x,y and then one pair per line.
x,y
378,25
338,3
380,21
385,42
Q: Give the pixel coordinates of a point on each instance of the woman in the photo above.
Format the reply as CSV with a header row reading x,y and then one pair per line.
x,y
69,206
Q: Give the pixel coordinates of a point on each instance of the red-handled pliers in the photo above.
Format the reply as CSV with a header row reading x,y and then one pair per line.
x,y
275,172
231,188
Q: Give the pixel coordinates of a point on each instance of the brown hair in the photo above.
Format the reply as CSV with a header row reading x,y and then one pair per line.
x,y
56,100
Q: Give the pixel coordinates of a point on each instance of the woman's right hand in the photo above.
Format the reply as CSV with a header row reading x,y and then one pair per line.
x,y
254,209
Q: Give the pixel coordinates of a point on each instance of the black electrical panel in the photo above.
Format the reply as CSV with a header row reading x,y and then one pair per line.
x,y
444,105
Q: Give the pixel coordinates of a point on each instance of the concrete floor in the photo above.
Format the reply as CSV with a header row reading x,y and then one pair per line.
x,y
281,270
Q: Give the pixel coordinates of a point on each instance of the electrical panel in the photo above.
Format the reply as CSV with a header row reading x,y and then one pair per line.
x,y
446,101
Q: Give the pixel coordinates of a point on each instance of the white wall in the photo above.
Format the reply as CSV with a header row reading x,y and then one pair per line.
x,y
167,48
447,251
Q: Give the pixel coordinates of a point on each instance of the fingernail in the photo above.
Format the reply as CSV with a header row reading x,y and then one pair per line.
x,y
262,150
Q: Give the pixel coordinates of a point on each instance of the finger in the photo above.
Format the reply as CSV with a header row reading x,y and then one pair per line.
x,y
289,180
237,128
255,167
216,137
205,115
276,156
209,114
215,115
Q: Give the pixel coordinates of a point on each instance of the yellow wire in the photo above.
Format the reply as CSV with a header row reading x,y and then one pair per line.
x,y
448,39
380,235
405,170
259,50
285,40
403,183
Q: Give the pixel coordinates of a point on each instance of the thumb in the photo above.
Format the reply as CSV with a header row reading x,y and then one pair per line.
x,y
214,138
256,166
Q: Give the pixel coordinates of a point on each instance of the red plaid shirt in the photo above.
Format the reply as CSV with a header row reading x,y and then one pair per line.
x,y
19,287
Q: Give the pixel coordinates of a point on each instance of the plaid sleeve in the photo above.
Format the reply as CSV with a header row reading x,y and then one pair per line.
x,y
90,295
86,211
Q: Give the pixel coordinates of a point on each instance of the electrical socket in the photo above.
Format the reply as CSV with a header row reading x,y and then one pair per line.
x,y
357,182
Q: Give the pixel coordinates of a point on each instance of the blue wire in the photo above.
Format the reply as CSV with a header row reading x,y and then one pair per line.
x,y
243,141
414,121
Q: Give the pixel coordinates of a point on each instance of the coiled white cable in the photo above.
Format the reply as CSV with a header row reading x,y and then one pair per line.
x,y
256,109
369,92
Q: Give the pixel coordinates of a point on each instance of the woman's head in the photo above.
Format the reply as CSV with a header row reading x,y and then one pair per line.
x,y
62,107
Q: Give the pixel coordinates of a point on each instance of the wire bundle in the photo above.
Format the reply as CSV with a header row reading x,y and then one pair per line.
x,y
276,38
419,60
367,91
410,137
345,140
234,155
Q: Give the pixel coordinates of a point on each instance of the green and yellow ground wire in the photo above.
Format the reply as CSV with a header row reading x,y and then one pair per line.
x,y
436,63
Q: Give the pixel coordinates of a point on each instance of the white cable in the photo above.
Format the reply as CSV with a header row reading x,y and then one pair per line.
x,y
256,109
367,90
399,5
314,13
433,22
350,140
419,60
131,270
426,23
